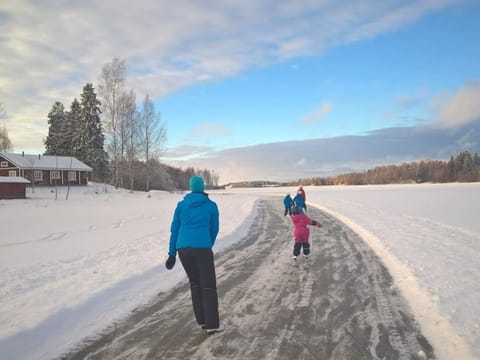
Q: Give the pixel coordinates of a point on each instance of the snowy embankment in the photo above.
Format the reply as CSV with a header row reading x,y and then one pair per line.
x,y
69,268
428,236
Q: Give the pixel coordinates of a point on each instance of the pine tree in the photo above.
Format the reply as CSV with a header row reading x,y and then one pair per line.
x,y
468,167
71,130
56,121
452,171
476,163
476,160
422,172
91,138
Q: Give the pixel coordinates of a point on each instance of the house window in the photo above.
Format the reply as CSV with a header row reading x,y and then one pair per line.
x,y
4,164
38,175
55,174
12,173
72,175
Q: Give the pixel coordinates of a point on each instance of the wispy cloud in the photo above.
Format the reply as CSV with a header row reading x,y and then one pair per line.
x,y
408,109
410,101
461,108
210,128
207,131
318,114
50,49
301,163
186,152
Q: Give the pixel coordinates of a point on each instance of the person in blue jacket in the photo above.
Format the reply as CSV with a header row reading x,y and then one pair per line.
x,y
193,232
299,202
288,202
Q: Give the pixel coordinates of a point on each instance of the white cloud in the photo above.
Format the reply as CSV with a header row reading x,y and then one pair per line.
x,y
185,152
461,108
301,163
318,114
207,131
323,157
50,49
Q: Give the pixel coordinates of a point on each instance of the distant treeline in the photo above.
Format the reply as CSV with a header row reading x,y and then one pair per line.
x,y
462,168
164,177
255,183
172,178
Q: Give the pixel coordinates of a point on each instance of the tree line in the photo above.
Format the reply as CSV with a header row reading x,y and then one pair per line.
x,y
120,141
460,168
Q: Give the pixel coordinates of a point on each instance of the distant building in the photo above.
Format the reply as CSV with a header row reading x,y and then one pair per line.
x,y
13,187
45,169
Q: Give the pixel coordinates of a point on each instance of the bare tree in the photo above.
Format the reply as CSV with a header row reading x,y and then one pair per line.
x,y
153,135
5,142
130,134
111,89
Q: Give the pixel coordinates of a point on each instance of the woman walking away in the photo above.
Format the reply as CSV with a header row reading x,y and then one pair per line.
x,y
193,232
301,232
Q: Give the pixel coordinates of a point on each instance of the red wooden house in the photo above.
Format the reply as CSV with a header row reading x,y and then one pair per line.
x,y
45,169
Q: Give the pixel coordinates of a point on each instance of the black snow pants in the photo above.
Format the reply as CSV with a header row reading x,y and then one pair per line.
x,y
299,245
200,268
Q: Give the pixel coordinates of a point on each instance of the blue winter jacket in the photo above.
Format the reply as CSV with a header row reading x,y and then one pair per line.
x,y
298,201
288,202
195,223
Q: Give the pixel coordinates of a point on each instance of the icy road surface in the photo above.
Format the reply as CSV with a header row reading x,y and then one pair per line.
x,y
340,304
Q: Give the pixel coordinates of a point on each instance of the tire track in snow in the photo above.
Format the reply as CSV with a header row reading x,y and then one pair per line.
x,y
340,306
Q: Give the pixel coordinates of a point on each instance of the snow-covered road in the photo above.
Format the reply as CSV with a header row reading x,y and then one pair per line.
x,y
340,305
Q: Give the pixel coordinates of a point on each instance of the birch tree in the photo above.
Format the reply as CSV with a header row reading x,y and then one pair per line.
x,y
153,135
130,134
111,88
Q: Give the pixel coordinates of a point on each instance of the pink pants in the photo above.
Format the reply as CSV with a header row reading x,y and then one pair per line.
x,y
301,235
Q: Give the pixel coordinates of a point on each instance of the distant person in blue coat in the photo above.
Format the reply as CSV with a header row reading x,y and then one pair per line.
x,y
193,232
299,202
288,202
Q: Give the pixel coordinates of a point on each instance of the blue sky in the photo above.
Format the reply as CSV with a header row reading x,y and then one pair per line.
x,y
229,77
380,82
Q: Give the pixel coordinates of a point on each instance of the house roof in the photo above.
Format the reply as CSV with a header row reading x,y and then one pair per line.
x,y
13,180
46,162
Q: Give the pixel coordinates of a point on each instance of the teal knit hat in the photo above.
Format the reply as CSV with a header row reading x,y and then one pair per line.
x,y
197,184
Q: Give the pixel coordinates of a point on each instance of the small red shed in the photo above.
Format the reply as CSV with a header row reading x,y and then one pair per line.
x,y
13,187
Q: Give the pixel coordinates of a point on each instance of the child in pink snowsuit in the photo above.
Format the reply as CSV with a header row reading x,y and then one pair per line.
x,y
301,232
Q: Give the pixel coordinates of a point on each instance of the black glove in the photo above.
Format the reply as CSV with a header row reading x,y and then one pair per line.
x,y
170,262
316,223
